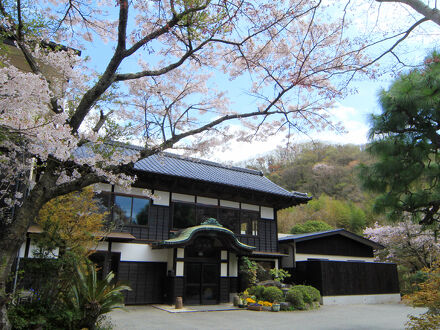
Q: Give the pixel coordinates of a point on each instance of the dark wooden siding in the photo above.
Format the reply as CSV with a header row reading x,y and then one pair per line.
x,y
158,225
175,288
159,222
233,284
146,279
224,289
333,278
335,245
267,237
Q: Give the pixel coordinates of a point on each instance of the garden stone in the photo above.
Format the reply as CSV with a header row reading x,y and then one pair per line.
x,y
284,306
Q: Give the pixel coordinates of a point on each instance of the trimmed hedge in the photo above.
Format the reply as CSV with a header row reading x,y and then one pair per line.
x,y
256,291
272,294
302,296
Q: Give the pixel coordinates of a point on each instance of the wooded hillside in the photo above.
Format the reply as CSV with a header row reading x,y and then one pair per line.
x,y
329,174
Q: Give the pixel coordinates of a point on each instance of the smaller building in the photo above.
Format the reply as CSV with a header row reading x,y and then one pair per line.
x,y
341,266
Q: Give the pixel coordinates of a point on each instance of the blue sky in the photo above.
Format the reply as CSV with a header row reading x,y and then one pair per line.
x,y
353,111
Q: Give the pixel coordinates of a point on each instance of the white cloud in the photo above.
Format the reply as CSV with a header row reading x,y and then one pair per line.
x,y
355,124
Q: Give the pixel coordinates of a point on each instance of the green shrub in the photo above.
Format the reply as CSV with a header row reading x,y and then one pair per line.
x,y
256,291
296,298
272,293
302,295
314,293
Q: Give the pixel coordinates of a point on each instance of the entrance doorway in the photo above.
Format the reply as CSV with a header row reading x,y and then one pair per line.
x,y
202,283
202,272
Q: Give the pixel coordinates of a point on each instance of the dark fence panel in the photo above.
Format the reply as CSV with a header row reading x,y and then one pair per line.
x,y
333,278
146,279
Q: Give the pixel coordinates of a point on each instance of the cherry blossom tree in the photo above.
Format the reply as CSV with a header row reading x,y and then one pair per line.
x,y
167,70
409,245
406,243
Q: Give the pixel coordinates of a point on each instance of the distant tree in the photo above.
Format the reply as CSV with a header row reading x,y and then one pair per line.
x,y
336,213
316,168
310,227
405,139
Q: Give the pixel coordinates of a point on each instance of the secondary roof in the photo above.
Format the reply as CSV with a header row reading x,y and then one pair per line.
x,y
284,238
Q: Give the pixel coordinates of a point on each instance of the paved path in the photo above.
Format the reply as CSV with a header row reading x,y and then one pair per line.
x,y
385,316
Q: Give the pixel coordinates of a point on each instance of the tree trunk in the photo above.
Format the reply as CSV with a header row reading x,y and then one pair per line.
x,y
13,234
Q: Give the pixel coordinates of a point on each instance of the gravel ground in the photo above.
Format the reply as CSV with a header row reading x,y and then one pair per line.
x,y
381,316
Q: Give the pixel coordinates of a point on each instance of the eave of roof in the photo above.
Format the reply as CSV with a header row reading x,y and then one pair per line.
x,y
115,236
315,235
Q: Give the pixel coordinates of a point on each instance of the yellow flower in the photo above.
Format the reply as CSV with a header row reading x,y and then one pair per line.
x,y
250,300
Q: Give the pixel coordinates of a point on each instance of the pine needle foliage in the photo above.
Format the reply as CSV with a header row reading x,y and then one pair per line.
x,y
405,140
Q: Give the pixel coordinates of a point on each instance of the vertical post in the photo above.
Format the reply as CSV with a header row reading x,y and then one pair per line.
x,y
179,303
107,260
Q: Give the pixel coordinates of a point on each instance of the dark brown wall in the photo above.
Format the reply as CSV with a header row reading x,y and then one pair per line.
x,y
146,279
335,245
333,278
266,239
159,224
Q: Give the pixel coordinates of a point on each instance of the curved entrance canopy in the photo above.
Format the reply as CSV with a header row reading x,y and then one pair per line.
x,y
210,228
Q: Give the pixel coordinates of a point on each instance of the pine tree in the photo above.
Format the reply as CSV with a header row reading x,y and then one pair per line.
x,y
406,141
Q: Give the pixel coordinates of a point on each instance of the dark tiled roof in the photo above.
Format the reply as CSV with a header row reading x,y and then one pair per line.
x,y
319,234
197,169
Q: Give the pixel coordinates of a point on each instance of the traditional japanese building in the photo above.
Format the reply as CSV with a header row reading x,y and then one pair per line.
x,y
186,240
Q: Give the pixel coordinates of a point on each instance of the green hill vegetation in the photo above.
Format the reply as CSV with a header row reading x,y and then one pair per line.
x,y
328,173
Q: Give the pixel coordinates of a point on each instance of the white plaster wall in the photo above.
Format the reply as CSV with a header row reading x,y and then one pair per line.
x,y
207,201
230,204
224,269
140,252
183,198
180,253
102,246
179,268
161,198
33,249
287,262
233,265
250,207
303,257
267,213
362,299
133,191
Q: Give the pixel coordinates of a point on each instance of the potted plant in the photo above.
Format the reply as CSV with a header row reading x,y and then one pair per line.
x,y
255,307
275,307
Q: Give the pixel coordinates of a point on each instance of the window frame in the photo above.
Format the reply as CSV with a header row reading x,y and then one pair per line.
x,y
252,229
250,223
131,224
